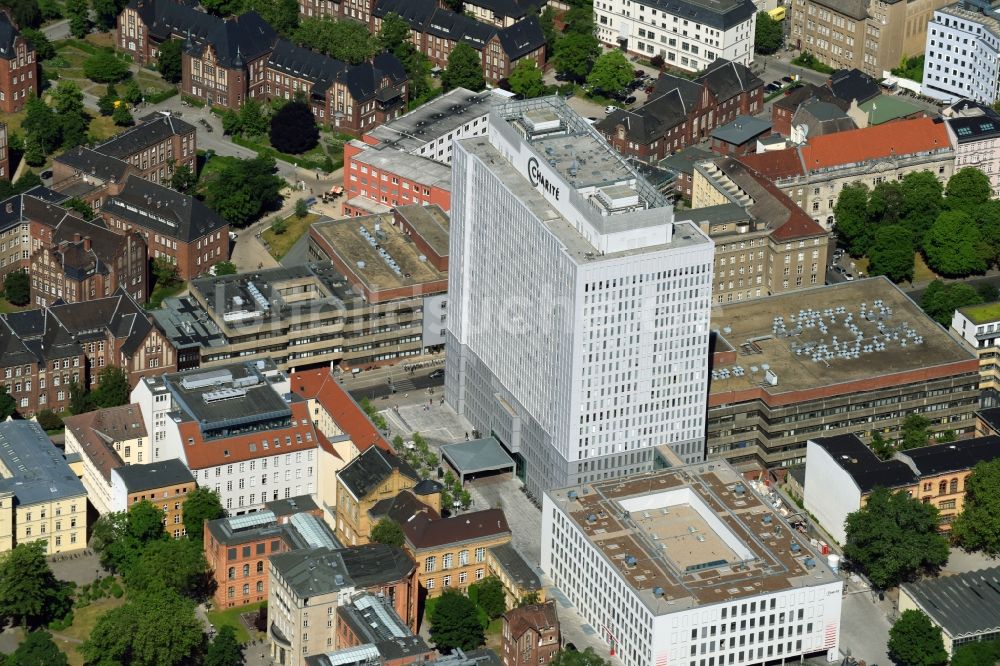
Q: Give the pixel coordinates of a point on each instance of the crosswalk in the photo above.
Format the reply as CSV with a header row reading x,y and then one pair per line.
x,y
404,385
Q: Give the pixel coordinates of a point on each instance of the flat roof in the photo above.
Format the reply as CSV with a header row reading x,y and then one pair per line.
x,y
380,255
478,455
227,396
808,338
965,604
150,476
430,222
984,313
741,129
38,471
433,120
405,165
692,535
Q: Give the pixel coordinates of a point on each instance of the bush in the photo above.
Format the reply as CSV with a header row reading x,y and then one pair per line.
x,y
116,591
293,129
49,420
105,67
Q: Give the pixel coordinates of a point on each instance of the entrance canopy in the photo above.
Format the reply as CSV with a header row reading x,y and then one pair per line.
x,y
477,457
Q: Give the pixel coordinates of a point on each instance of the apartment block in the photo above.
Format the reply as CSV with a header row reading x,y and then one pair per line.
x,y
18,67
530,635
40,497
979,327
601,547
974,130
961,54
688,34
155,147
870,35
777,378
163,484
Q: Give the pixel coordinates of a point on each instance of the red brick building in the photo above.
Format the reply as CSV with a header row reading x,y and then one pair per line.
x,y
377,179
155,147
530,635
436,31
80,261
681,112
18,67
5,172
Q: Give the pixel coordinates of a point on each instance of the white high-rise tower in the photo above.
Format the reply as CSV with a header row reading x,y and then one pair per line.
x,y
579,323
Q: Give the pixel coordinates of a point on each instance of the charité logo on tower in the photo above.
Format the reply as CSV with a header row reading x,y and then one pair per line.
x,y
537,179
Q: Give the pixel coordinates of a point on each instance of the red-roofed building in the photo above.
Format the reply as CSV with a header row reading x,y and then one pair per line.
x,y
812,175
530,635
764,243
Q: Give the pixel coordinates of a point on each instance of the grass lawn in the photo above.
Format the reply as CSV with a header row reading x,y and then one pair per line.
x,y
6,306
84,619
159,293
279,244
103,127
231,616
921,271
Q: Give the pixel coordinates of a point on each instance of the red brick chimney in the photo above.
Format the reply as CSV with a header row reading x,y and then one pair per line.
x,y
86,244
77,238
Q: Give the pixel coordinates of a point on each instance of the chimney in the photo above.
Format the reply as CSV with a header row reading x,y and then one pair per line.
x,y
86,244
77,238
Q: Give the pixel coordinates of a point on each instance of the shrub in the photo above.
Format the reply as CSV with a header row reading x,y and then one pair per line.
x,y
49,420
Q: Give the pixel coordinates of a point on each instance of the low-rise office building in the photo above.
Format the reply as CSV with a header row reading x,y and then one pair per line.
x,y
378,177
677,564
40,497
813,174
979,327
965,606
842,471
238,428
309,586
961,52
163,484
778,378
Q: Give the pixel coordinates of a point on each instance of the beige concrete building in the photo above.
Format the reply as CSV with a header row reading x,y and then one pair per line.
x,y
40,497
871,35
764,243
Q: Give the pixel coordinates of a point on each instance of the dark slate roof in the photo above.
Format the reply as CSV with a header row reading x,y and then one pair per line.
x,y
38,470
35,336
166,18
314,571
371,468
153,130
118,314
8,35
138,478
320,69
400,508
668,106
966,604
235,40
516,9
741,130
516,567
853,84
683,161
427,487
164,210
291,505
990,417
727,79
98,165
522,38
822,118
960,456
866,468
415,12
105,246
975,122
720,14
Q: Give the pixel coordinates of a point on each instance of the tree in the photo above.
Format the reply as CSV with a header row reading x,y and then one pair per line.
x,y
387,531
121,537
301,208
394,33
528,599
892,253
768,35
178,564
223,7
490,596
158,628
106,103
183,178
51,9
454,623
573,658
168,62
131,92
418,69
201,504
232,122
106,13
894,537
253,122
345,40
78,13
105,67
575,53
37,649
954,246
987,218
882,447
225,268
67,100
24,12
455,5
282,15
34,155
978,653
48,420
44,50
977,528
17,288
940,300
915,641
164,271
79,399
278,225
112,388
224,650
8,406
464,70
915,432
885,204
922,202
851,214
241,190
30,594
547,22
41,126
611,72
293,129
967,190
579,20
122,116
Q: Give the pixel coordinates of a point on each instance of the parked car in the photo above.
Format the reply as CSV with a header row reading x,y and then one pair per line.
x,y
776,83
609,109
649,90
45,175
787,79
771,88
640,73
437,373
848,276
562,76
630,99
635,85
